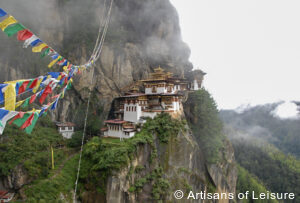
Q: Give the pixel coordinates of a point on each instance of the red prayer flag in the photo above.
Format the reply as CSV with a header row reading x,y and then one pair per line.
x,y
23,86
34,83
28,122
19,115
24,34
48,90
32,98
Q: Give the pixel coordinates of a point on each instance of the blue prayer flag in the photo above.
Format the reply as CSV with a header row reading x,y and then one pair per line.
x,y
2,12
1,93
35,42
3,113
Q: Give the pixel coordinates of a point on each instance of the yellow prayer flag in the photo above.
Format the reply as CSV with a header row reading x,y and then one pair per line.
x,y
37,85
10,97
59,77
39,47
65,68
19,103
52,63
7,21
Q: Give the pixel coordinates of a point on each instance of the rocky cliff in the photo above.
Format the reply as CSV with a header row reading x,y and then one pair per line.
x,y
141,36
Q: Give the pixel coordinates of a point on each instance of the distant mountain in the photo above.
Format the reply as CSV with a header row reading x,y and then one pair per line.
x,y
259,123
266,148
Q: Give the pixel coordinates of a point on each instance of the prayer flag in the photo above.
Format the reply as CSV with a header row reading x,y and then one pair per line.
x,y
18,116
34,83
35,42
10,97
30,127
23,87
5,118
52,63
39,47
55,56
2,86
45,52
32,98
11,30
28,121
24,35
2,12
40,79
19,103
29,41
26,102
7,21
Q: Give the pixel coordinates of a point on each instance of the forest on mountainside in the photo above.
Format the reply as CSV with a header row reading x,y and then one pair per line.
x,y
266,148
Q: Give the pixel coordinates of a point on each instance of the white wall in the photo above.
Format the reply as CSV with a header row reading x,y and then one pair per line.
x,y
149,114
132,116
67,135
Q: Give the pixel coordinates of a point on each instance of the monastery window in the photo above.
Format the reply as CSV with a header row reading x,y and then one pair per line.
x,y
62,128
135,108
126,108
154,89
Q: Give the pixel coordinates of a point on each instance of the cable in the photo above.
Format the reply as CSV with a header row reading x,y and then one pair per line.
x,y
89,96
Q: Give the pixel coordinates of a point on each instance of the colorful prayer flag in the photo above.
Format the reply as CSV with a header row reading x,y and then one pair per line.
x,y
39,47
24,35
29,41
5,118
2,12
11,30
45,52
10,97
32,98
7,21
52,63
30,127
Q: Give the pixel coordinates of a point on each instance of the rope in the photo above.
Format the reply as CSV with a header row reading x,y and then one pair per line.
x,y
99,49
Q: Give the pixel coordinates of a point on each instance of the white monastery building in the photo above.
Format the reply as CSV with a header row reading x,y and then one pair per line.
x,y
66,129
162,93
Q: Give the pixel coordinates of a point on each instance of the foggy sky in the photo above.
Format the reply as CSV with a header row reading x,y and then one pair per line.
x,y
249,48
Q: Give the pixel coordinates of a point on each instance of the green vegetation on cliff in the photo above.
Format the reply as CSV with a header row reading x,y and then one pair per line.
x,y
104,156
30,151
247,182
203,117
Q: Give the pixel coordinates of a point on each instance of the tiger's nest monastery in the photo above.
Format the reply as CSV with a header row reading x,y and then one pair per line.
x,y
162,92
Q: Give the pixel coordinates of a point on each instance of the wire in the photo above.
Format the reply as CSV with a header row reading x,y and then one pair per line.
x,y
89,96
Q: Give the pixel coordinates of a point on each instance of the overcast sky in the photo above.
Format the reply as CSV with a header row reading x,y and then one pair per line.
x,y
249,48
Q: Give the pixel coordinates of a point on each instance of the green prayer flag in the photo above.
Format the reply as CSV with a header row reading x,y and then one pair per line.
x,y
60,58
28,85
29,129
19,122
69,86
44,53
26,102
13,29
1,125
